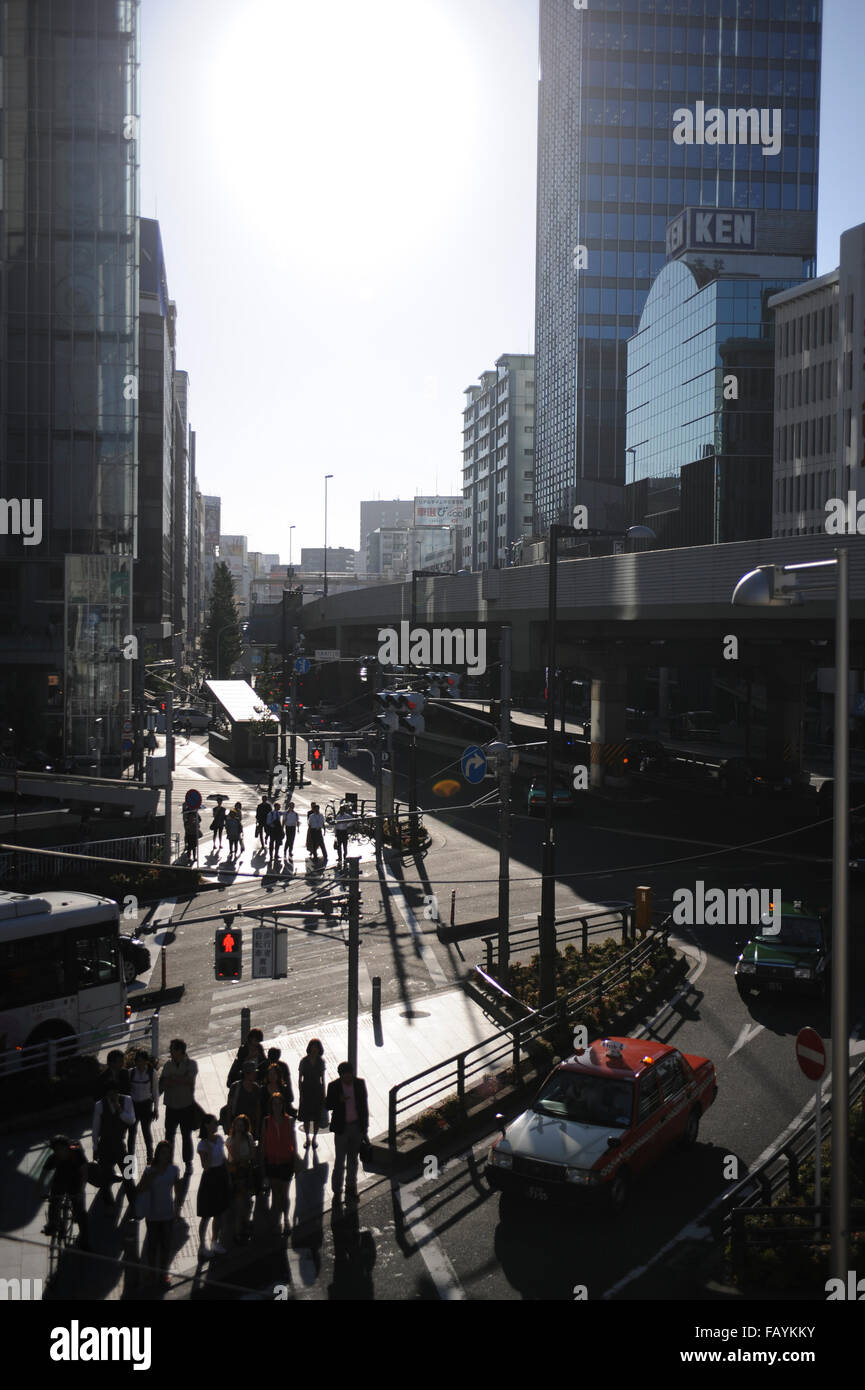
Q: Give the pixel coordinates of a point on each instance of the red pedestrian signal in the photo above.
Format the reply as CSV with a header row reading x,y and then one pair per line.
x,y
228,953
316,759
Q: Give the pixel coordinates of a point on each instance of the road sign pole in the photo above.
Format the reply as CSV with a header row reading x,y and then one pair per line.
x,y
505,808
818,1154
547,919
412,792
353,958
169,785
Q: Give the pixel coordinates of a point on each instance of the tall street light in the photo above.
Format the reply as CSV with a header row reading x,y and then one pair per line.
x,y
766,586
290,529
326,477
547,918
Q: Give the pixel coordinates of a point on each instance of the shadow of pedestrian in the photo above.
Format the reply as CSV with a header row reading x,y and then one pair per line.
x,y
354,1256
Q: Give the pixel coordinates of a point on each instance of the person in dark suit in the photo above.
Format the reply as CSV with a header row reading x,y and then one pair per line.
x,y
349,1122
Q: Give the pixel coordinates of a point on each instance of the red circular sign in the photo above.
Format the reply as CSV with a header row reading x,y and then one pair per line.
x,y
193,799
811,1054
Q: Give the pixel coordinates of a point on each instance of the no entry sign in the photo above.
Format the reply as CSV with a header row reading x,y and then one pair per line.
x,y
811,1054
193,799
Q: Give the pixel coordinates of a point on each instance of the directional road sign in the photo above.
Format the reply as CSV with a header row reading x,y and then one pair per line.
x,y
474,764
126,745
193,799
302,665
127,726
811,1054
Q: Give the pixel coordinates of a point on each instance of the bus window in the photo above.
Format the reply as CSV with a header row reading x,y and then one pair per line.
x,y
31,970
95,960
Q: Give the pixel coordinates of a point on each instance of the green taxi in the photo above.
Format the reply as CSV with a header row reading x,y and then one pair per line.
x,y
788,956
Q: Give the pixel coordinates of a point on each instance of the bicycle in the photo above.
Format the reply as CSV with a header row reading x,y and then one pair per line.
x,y
63,1232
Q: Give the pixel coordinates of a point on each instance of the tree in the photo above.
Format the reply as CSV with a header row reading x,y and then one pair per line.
x,y
221,642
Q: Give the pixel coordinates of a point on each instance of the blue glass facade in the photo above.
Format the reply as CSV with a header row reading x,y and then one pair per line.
x,y
610,177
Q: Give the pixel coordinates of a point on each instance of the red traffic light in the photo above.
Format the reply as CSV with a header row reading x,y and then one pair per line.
x,y
228,953
315,759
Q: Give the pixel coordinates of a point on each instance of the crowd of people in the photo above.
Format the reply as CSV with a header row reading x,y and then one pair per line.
x,y
254,1158
275,826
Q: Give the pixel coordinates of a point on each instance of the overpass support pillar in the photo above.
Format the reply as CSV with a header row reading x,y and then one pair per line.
x,y
784,713
609,698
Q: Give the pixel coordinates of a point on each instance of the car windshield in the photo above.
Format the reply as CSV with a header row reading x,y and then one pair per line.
x,y
792,931
589,1100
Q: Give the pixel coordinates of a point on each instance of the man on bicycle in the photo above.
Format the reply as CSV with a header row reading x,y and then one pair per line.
x,y
68,1165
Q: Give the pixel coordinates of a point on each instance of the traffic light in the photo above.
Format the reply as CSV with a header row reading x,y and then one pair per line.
x,y
228,953
316,758
411,704
443,683
389,716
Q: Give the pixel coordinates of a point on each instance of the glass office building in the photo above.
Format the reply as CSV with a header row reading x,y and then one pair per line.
x,y
611,176
68,329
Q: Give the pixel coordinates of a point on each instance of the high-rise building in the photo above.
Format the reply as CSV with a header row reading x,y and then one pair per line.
x,y
376,514
153,596
499,462
340,559
233,552
645,110
69,332
820,396
212,516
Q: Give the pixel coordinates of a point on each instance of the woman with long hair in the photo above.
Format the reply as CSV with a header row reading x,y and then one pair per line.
x,y
241,1149
214,1192
311,1087
280,1151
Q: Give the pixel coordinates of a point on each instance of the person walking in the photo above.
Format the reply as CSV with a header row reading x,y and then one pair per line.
x,y
250,1051
177,1087
217,824
67,1164
274,1058
214,1190
280,1152
345,820
311,1090
244,1098
262,811
291,820
315,832
192,833
349,1122
187,728
112,1117
144,1092
242,1167
115,1074
276,1085
157,1196
238,811
275,831
232,833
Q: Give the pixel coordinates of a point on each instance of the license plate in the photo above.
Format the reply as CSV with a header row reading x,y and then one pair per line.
x,y
774,984
539,1194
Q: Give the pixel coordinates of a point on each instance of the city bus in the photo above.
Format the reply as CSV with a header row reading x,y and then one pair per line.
x,y
60,966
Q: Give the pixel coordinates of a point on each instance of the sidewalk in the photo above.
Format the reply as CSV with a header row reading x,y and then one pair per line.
x,y
411,1038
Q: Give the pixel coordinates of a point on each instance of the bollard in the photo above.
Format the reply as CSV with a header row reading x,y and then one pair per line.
x,y
245,1020
453,905
154,1034
376,999
162,960
643,897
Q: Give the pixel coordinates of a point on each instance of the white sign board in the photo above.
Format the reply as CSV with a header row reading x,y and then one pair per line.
x,y
327,654
262,953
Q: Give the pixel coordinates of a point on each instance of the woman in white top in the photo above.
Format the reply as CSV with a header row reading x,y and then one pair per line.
x,y
214,1192
291,820
315,832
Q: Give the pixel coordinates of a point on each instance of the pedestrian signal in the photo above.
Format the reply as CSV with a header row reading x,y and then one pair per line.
x,y
316,759
228,950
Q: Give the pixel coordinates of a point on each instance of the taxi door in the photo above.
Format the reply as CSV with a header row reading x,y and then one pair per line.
x,y
646,1138
675,1096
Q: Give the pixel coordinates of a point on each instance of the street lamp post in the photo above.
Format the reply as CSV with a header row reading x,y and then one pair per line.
x,y
326,477
766,586
290,568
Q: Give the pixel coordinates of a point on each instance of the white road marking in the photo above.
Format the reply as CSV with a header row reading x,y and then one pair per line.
x,y
749,1031
439,1267
425,952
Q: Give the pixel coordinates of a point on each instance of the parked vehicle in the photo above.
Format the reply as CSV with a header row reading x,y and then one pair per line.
x,y
134,957
790,956
198,719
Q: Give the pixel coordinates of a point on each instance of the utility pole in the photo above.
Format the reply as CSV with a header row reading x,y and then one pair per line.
x,y
412,791
353,958
547,919
169,763
138,736
505,808
282,735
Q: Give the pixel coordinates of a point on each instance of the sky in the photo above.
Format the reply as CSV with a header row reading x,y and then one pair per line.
x,y
346,194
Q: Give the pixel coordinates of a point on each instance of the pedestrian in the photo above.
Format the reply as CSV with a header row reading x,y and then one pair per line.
x,y
315,832
187,728
67,1164
242,1167
150,742
311,1088
280,1151
291,820
214,1190
345,820
144,1091
112,1117
244,1098
217,825
275,830
232,833
349,1122
250,1051
262,811
157,1196
275,1084
192,833
238,811
115,1074
274,1058
177,1087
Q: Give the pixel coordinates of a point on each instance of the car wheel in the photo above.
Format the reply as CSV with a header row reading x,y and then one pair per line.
x,y
620,1187
510,1206
692,1129
129,971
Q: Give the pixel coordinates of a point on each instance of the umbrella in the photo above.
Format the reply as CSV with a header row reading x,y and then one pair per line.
x,y
218,797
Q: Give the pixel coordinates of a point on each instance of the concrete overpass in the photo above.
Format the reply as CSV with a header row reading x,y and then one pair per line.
x,y
619,613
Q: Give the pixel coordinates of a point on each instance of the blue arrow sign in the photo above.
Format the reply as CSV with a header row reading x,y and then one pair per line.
x,y
474,764
302,665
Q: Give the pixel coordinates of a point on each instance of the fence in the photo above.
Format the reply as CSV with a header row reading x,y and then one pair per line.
x,y
509,1046
618,916
45,866
752,1198
57,1052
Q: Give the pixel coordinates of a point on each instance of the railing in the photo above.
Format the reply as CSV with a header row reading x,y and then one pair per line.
x,y
141,848
457,1073
778,1176
55,1052
600,919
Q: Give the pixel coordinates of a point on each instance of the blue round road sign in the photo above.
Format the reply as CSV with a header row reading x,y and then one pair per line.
x,y
126,745
193,799
474,763
302,665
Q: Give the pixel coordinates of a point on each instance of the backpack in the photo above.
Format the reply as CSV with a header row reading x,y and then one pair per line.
x,y
190,822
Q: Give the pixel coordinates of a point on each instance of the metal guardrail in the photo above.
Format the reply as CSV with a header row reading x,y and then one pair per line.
x,y
458,1073
56,1052
51,863
753,1196
582,925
